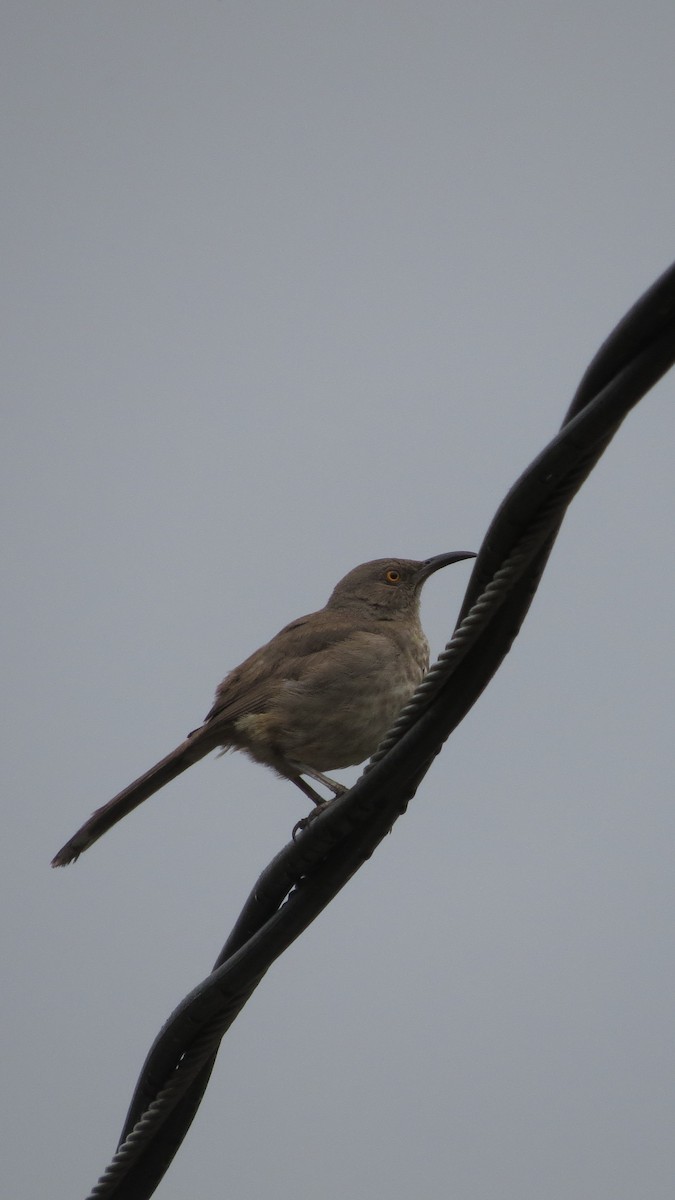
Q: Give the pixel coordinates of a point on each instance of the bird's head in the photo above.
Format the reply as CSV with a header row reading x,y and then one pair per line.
x,y
389,586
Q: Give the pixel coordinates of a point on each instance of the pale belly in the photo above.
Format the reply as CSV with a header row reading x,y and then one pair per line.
x,y
339,729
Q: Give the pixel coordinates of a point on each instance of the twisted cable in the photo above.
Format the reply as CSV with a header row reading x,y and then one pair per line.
x,y
309,872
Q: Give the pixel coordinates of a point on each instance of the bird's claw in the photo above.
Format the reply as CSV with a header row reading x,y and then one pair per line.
x,y
305,822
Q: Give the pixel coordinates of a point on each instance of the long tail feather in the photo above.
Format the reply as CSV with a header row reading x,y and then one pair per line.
x,y
189,752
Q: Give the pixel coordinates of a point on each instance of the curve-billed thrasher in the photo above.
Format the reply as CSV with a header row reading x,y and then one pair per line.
x,y
319,696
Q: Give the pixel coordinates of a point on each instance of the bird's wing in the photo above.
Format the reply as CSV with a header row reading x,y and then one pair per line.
x,y
250,686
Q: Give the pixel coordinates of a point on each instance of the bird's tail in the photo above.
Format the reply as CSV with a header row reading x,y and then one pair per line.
x,y
190,751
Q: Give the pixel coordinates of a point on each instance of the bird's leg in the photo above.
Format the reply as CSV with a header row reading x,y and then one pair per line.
x,y
299,769
319,801
307,789
338,789
316,799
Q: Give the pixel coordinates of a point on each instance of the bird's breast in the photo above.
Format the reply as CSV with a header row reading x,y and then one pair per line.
x,y
335,719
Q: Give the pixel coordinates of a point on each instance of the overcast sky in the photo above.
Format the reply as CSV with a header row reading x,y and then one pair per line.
x,y
287,286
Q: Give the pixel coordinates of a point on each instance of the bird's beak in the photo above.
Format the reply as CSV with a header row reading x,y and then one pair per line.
x,y
441,560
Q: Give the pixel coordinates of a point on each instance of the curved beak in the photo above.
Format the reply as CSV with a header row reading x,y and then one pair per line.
x,y
441,560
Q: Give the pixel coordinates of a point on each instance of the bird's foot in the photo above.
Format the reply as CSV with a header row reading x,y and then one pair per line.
x,y
305,822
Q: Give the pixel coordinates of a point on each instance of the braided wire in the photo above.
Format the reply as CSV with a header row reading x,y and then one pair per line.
x,y
186,1071
639,351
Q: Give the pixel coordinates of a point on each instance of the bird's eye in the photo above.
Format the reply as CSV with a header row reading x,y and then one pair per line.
x,y
393,576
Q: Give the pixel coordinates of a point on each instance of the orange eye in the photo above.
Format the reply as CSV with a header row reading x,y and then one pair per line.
x,y
393,576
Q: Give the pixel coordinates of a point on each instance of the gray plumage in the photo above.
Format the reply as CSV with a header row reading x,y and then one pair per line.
x,y
318,697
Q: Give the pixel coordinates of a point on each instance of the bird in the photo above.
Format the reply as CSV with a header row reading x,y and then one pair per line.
x,y
318,697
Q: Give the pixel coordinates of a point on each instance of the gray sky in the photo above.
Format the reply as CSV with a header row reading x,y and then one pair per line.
x,y
288,286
